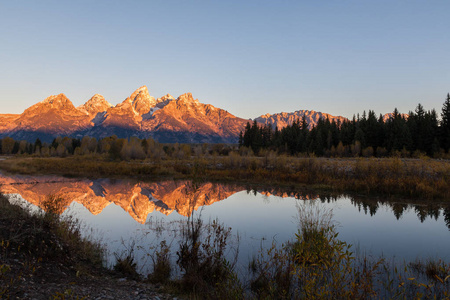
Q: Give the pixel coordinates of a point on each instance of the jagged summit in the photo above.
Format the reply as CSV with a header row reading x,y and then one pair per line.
x,y
97,104
388,116
284,119
143,91
140,101
56,115
53,103
187,97
55,98
167,97
59,101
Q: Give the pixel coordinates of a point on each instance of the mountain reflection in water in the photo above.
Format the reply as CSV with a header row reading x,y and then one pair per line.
x,y
139,199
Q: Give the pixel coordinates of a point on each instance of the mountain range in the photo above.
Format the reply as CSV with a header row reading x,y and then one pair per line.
x,y
166,119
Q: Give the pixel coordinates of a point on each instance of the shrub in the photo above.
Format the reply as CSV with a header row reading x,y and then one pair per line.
x,y
202,257
161,265
315,265
126,265
367,152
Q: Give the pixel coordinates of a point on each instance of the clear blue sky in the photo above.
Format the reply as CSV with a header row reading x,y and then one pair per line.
x,y
248,57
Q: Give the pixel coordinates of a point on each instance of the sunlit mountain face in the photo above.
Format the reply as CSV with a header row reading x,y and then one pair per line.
x,y
284,119
166,119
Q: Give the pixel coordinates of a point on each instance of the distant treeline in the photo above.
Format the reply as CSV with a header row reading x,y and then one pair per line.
x,y
420,132
113,147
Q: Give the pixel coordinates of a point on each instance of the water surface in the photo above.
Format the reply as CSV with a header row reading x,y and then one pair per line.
x,y
125,213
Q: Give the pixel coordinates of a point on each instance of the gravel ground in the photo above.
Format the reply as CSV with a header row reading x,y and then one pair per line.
x,y
47,280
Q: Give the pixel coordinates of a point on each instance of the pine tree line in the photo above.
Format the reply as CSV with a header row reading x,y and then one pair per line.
x,y
367,135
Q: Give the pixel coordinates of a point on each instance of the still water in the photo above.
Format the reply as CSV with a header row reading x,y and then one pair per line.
x,y
127,214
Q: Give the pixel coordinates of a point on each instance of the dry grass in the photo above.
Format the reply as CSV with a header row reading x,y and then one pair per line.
x,y
412,178
31,241
317,265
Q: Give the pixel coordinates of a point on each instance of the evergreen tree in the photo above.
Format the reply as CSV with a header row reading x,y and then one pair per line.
x,y
445,124
374,131
247,135
266,134
75,143
398,135
276,140
55,142
15,149
256,138
347,132
241,139
37,144
318,142
418,130
431,133
359,137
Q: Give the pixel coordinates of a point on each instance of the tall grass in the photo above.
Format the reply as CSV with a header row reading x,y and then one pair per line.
x,y
204,260
412,178
317,265
41,238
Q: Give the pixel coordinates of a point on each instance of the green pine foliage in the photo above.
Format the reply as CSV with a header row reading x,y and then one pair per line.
x,y
445,125
420,132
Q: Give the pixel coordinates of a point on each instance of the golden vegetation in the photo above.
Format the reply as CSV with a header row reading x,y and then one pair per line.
x,y
413,178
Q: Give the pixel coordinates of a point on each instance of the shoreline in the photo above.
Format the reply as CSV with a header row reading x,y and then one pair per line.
x,y
388,177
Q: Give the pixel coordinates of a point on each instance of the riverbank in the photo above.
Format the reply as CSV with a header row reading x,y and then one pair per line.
x,y
392,177
45,257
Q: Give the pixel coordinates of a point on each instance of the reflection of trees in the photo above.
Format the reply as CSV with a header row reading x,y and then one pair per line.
x,y
447,216
423,210
328,198
367,206
432,211
398,209
421,213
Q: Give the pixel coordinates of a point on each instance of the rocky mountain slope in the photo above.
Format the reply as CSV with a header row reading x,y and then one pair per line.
x,y
284,119
166,119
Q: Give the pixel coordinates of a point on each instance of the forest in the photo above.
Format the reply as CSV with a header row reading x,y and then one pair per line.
x,y
420,132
